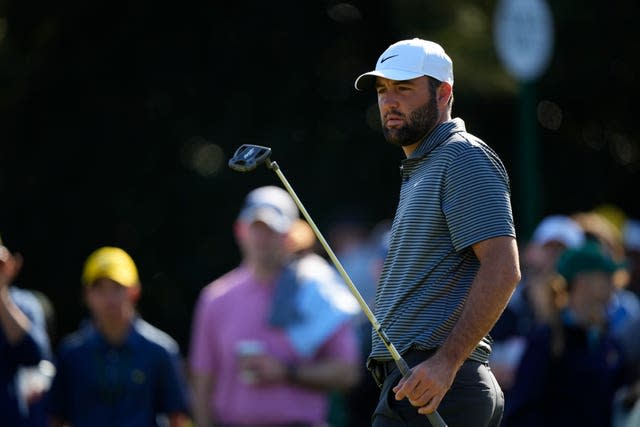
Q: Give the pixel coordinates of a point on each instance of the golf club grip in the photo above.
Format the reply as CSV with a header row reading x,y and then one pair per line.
x,y
434,418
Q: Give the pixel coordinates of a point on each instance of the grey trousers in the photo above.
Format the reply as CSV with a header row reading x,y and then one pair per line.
x,y
474,400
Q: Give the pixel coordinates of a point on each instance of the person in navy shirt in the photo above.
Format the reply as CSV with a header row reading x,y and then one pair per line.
x,y
117,369
23,339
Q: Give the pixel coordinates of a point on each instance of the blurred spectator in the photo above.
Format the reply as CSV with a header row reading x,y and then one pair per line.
x,y
571,367
627,404
303,244
347,229
533,301
272,337
613,214
34,381
628,408
117,369
23,343
631,241
624,305
350,240
362,254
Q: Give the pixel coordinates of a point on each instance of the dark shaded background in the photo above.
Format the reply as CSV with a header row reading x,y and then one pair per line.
x,y
117,120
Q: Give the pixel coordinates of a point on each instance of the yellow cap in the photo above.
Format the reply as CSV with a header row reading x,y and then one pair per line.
x,y
110,263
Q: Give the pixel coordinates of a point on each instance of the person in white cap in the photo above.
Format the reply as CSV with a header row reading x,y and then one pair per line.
x,y
453,259
253,359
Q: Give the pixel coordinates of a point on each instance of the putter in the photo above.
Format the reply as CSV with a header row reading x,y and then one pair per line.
x,y
248,157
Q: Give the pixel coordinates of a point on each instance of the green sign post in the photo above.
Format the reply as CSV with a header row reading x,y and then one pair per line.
x,y
528,177
523,34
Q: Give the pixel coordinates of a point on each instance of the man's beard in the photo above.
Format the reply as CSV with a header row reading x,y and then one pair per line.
x,y
420,123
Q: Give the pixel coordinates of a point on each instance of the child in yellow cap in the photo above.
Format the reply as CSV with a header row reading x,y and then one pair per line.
x,y
118,370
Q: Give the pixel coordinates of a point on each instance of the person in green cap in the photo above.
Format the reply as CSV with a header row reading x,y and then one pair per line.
x,y
572,366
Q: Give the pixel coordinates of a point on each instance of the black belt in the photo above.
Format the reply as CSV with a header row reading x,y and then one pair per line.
x,y
381,369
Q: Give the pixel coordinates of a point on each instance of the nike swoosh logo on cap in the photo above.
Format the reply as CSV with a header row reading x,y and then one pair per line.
x,y
388,57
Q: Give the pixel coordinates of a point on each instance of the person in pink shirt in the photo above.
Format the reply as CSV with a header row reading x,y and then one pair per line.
x,y
268,344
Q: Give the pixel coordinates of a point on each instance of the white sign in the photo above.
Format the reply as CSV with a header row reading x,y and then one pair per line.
x,y
523,34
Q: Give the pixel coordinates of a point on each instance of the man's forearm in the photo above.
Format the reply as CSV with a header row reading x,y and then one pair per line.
x,y
327,375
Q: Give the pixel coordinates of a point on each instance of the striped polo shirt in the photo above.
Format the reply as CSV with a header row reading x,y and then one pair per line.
x,y
454,193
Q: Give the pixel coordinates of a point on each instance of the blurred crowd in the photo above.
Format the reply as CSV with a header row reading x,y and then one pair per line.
x,y
280,340
565,349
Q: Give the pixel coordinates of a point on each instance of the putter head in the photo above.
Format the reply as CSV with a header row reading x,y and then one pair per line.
x,y
248,157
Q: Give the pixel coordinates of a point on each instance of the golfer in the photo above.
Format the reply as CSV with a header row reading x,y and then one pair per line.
x,y
453,261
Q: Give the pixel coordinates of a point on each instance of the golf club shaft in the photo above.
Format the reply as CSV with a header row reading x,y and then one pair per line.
x,y
434,418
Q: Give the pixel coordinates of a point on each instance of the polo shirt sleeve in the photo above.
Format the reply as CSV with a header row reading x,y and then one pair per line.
x,y
476,199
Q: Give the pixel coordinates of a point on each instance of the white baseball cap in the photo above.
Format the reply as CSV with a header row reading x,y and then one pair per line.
x,y
271,205
409,59
559,228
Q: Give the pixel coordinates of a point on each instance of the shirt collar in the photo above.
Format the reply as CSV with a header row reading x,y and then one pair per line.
x,y
130,340
438,135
